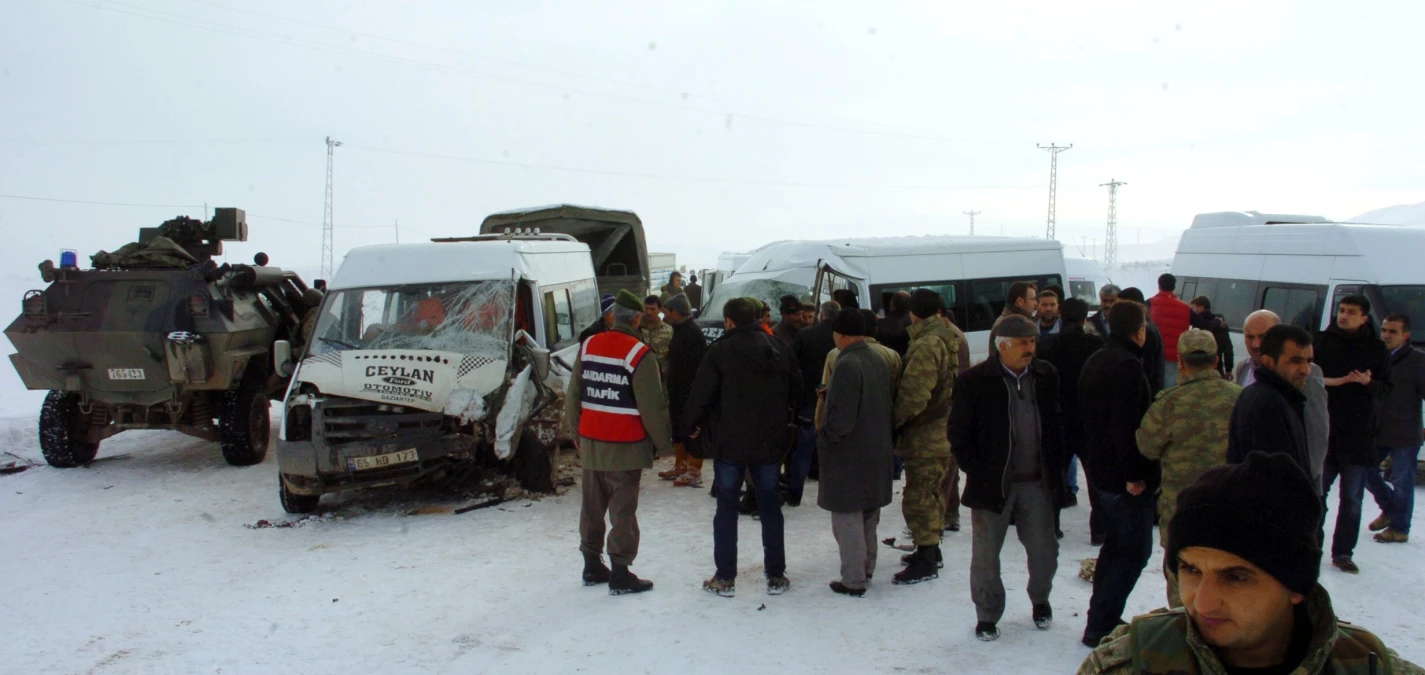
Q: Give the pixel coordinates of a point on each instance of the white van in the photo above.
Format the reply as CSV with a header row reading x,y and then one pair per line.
x,y
972,274
427,356
1086,277
1299,267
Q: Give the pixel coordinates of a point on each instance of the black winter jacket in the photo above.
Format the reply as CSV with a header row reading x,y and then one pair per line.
x,y
1068,354
1353,407
1215,324
744,398
685,354
980,435
811,345
1400,421
1269,417
1113,397
891,332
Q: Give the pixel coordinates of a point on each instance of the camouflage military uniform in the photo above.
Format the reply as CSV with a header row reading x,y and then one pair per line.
x,y
1185,431
657,338
1165,642
922,412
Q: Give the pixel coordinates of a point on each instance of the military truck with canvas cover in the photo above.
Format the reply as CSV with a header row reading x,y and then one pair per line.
x,y
157,335
615,240
431,359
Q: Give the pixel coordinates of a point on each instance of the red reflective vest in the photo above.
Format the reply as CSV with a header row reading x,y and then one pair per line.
x,y
610,411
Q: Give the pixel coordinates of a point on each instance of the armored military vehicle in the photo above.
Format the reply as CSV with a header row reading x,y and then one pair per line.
x,y
157,335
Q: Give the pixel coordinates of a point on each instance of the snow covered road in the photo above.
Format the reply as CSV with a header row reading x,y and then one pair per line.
x,y
142,563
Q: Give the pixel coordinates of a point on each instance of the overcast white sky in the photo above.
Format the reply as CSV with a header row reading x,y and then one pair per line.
x,y
724,125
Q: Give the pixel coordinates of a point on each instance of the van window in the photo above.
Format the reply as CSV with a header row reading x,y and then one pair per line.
x,y
986,298
585,295
1299,307
558,316
1084,290
1234,299
948,290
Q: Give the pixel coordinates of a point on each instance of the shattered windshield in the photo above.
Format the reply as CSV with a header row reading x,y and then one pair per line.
x,y
466,317
769,291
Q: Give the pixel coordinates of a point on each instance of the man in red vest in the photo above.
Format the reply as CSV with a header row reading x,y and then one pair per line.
x,y
1173,317
616,401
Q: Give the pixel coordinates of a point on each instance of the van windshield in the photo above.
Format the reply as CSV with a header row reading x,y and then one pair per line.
x,y
769,291
466,317
1407,300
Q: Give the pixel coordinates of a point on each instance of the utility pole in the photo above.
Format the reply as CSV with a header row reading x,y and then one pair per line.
x,y
1110,242
1054,151
972,215
398,231
327,225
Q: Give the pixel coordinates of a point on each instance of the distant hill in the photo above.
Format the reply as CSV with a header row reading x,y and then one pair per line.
x,y
1402,214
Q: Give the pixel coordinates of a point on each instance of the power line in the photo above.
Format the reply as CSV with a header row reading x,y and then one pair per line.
x,y
682,177
173,141
100,203
1054,151
239,31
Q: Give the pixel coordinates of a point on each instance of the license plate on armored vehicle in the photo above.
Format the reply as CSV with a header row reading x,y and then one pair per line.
x,y
126,374
381,461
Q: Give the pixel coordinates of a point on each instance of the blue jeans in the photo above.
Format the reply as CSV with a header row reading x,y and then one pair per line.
x,y
1348,516
1127,545
1071,478
1395,495
727,479
799,461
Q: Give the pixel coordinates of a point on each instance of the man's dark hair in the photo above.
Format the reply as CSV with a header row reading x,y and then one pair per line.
x,y
1357,300
1202,302
1056,289
740,311
1049,292
653,300
1019,290
1167,282
692,278
675,273
1131,293
926,303
1197,360
1401,319
1074,311
870,318
1274,342
846,298
1128,320
898,304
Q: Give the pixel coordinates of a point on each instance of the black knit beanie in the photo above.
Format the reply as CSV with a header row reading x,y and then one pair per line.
x,y
1262,510
925,303
849,322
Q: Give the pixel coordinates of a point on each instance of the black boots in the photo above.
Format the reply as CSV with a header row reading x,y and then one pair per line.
x,y
622,581
939,558
922,567
595,572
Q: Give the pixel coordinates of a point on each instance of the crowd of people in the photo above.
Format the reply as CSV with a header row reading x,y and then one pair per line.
x,y
1232,463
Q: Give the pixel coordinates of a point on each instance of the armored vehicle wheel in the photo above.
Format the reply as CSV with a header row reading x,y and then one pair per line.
x,y
245,423
293,502
62,428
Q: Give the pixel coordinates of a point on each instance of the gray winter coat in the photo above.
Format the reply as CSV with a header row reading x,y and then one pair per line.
x,y
854,445
1400,414
1318,417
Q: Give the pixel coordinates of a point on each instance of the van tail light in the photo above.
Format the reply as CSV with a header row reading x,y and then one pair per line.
x,y
198,305
34,304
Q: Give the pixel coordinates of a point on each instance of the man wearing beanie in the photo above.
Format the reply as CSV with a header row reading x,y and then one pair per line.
x,y
855,449
921,412
1006,431
1243,544
616,401
872,340
1185,430
791,310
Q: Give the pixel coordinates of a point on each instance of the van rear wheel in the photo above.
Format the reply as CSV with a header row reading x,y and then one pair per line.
x,y
62,432
245,423
293,502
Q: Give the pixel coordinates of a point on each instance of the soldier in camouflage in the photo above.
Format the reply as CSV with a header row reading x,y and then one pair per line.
x,y
1244,542
1185,430
922,412
654,332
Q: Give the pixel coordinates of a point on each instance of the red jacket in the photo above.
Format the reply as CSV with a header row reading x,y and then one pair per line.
x,y
1173,318
610,411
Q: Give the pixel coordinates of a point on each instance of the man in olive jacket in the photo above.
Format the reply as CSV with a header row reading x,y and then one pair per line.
x,y
616,402
921,411
854,448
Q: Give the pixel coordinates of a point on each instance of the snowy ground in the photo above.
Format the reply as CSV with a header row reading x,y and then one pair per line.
x,y
142,563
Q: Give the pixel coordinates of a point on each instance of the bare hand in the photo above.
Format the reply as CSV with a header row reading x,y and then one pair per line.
x,y
696,432
1137,488
1361,377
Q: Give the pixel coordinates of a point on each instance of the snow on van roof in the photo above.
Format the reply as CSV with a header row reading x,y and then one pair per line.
x,y
395,264
553,207
1239,218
